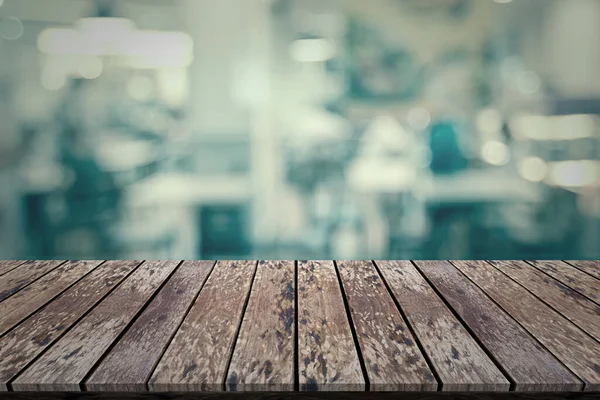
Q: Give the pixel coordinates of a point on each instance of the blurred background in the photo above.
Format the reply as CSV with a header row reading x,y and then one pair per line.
x,y
300,129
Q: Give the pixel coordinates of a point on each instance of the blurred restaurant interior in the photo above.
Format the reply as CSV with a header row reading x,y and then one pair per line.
x,y
299,129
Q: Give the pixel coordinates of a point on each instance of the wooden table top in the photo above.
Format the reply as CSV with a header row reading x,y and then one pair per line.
x,y
298,326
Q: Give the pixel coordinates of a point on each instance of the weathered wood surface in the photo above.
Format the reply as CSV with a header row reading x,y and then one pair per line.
x,y
579,352
198,356
25,302
282,329
18,278
263,358
21,345
327,356
304,396
572,305
128,366
392,358
459,361
529,366
66,364
9,265
572,277
590,267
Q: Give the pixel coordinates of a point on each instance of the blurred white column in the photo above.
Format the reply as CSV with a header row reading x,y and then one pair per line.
x,y
230,91
266,152
220,33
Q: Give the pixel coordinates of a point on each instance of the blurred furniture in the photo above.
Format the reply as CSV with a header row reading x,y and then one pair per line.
x,y
223,230
446,154
460,205
186,196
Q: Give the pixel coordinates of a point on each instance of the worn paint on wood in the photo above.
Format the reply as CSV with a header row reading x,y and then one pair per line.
x,y
263,358
459,361
113,325
392,358
28,300
529,366
304,396
579,352
21,345
327,356
18,278
67,363
590,267
572,277
9,265
572,305
197,358
129,364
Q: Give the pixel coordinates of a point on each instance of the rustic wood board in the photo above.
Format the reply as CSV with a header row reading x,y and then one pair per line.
x,y
572,277
67,362
579,352
392,359
459,361
197,358
572,305
305,396
129,364
21,345
18,278
591,267
263,358
327,355
25,302
9,265
529,366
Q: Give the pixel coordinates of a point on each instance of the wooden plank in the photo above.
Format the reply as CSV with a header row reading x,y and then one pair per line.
x,y
459,361
9,265
17,279
572,277
579,352
68,361
571,304
528,365
392,358
21,345
590,267
196,359
31,298
304,396
263,358
129,364
327,356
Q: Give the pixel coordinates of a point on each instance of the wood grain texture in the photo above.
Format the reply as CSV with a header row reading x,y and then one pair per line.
x,y
572,277
21,345
528,365
459,361
590,267
572,305
31,298
129,364
579,352
392,358
9,265
18,278
263,358
197,358
67,362
304,396
327,355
